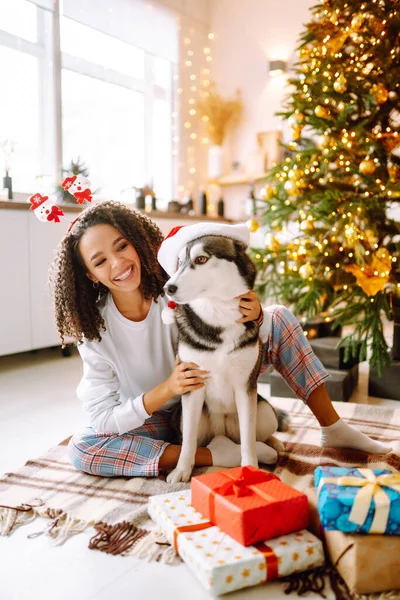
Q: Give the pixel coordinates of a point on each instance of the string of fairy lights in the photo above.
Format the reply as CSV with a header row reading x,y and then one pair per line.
x,y
192,83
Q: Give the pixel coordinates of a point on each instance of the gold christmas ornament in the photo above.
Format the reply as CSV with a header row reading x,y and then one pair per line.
x,y
267,193
304,52
324,141
357,22
306,271
334,19
340,85
296,119
302,251
297,133
368,68
335,44
380,93
295,174
351,234
291,187
253,225
271,243
306,225
367,166
322,112
356,38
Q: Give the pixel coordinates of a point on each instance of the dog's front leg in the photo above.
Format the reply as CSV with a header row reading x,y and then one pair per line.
x,y
192,406
246,404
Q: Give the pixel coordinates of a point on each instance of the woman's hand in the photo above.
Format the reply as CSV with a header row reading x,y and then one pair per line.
x,y
249,306
186,377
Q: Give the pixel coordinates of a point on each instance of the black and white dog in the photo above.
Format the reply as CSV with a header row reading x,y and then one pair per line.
x,y
212,271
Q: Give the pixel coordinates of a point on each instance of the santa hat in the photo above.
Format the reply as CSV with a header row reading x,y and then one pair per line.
x,y
36,200
68,181
178,237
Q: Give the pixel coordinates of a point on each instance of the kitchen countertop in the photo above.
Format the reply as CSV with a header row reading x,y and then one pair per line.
x,y
155,214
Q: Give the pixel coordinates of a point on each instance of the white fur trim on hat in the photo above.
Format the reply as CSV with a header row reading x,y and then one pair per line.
x,y
179,237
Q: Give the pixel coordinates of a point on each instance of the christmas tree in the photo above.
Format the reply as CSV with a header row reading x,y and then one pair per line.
x,y
334,249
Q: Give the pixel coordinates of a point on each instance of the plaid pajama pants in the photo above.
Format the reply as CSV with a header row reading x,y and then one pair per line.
x,y
137,452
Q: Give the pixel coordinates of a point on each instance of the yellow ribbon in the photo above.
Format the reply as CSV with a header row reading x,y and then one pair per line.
x,y
371,487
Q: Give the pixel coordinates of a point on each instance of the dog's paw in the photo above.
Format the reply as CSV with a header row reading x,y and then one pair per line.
x,y
276,444
178,475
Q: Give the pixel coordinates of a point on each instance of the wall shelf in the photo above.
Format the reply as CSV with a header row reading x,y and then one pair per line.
x,y
237,179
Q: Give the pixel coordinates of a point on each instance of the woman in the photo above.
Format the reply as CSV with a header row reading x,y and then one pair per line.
x,y
108,294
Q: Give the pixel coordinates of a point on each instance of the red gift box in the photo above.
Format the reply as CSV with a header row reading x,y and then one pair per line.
x,y
249,505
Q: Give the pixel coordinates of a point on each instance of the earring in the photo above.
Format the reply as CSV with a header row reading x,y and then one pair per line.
x,y
95,284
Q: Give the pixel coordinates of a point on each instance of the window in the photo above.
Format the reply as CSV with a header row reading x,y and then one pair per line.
x,y
103,124
110,106
19,117
18,17
111,91
22,53
97,47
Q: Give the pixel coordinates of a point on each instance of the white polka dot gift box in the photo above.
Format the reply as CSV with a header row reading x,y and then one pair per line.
x,y
220,563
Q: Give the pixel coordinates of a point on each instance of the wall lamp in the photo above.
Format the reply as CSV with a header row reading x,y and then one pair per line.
x,y
277,67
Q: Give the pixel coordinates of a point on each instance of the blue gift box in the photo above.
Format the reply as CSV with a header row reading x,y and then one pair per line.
x,y
336,502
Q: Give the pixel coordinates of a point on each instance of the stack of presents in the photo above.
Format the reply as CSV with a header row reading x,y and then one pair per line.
x,y
343,370
242,527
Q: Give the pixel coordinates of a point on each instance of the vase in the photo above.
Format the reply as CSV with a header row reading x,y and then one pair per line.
x,y
215,158
7,184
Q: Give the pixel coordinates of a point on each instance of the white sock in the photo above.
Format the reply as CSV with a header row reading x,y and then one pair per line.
x,y
226,453
342,435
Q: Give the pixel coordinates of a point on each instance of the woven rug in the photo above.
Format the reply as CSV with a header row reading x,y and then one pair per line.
x,y
116,508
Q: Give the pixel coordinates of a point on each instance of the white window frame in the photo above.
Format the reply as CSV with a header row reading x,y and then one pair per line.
x,y
38,50
51,61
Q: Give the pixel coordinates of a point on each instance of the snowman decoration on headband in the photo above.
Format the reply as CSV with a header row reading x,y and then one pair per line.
x,y
79,187
47,211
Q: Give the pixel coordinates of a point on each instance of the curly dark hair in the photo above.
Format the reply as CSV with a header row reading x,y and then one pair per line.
x,y
74,297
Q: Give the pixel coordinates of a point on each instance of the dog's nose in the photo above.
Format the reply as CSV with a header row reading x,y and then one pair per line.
x,y
171,289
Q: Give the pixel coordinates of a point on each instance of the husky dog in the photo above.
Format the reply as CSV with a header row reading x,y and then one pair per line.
x,y
212,271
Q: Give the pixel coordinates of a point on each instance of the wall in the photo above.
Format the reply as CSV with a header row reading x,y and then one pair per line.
x,y
195,10
249,33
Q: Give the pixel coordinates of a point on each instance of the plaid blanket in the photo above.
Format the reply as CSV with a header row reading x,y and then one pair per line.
x,y
116,508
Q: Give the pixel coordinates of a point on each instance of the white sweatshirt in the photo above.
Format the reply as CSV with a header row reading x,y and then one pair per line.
x,y
131,359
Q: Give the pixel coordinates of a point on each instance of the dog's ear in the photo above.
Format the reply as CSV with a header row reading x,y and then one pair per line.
x,y
245,264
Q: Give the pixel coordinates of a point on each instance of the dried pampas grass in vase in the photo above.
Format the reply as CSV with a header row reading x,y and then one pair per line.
x,y
220,115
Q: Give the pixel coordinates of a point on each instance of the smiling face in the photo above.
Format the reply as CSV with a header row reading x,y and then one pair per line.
x,y
110,259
